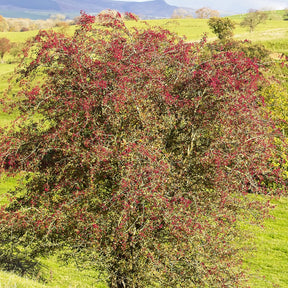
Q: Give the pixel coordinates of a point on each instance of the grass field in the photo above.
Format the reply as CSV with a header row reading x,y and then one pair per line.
x,y
194,29
58,275
268,264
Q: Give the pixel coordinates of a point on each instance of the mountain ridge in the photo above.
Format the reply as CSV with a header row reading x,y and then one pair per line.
x,y
148,9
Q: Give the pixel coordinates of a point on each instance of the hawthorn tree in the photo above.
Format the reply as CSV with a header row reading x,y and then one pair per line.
x,y
137,150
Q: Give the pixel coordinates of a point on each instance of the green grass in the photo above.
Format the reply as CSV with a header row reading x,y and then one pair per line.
x,y
69,276
57,275
6,183
273,33
5,73
272,30
268,265
18,36
10,280
277,45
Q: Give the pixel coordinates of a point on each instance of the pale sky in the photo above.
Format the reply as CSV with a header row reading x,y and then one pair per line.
x,y
231,6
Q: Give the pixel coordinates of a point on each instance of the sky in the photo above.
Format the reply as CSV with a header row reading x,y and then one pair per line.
x,y
230,6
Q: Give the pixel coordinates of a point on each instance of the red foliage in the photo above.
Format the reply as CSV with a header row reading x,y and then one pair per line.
x,y
143,153
86,19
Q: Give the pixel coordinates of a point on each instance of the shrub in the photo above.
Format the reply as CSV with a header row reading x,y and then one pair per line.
x,y
138,150
222,27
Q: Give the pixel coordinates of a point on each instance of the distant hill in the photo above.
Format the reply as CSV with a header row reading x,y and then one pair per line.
x,y
31,4
149,9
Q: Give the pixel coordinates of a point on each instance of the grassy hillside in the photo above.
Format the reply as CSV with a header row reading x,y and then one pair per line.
x,y
268,264
58,275
273,33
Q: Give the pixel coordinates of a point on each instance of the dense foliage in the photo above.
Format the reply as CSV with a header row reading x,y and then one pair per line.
x,y
222,27
137,151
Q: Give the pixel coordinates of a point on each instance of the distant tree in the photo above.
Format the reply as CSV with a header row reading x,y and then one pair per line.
x,y
58,17
285,16
23,24
24,29
254,18
19,24
3,24
206,13
76,20
62,24
180,13
222,27
5,46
